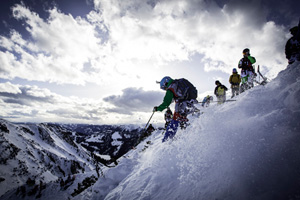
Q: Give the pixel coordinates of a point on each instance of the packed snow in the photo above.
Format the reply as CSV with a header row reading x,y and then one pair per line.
x,y
246,149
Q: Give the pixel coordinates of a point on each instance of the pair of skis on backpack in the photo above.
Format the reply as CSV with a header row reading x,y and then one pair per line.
x,y
246,85
264,79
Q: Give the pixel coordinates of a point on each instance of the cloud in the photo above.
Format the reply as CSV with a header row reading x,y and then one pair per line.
x,y
9,88
134,100
35,104
59,49
39,104
25,95
120,37
165,31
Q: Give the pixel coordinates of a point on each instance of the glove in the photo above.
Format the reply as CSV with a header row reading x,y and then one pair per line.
x,y
155,109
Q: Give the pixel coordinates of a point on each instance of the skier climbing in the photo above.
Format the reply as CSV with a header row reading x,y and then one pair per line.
x,y
235,80
184,94
292,47
220,92
206,100
247,73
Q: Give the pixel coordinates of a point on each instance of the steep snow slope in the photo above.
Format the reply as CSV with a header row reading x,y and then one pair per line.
x,y
50,161
38,152
248,149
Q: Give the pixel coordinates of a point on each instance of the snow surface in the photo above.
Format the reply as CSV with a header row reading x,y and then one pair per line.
x,y
115,141
248,149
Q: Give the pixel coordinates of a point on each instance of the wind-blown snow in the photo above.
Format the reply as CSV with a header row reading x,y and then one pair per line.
x,y
248,149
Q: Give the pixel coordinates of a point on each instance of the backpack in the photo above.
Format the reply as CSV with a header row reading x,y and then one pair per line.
x,y
235,79
184,90
221,91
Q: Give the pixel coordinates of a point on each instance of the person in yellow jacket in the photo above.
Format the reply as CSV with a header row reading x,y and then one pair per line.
x,y
220,92
235,80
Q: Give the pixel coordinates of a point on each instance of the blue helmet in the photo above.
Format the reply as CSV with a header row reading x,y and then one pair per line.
x,y
234,70
164,82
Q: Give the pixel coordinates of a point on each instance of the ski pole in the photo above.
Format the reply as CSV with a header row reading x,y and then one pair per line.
x,y
225,101
144,131
149,120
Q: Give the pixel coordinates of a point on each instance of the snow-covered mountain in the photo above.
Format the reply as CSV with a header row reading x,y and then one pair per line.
x,y
34,156
247,149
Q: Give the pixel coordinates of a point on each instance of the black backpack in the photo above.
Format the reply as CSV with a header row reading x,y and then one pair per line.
x,y
186,88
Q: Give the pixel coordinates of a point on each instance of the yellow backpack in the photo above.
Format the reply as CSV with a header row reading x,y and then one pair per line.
x,y
221,91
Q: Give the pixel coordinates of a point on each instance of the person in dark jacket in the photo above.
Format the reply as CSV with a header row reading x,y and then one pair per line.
x,y
292,47
220,92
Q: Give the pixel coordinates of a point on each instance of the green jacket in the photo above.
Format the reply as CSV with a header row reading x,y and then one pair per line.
x,y
252,59
167,99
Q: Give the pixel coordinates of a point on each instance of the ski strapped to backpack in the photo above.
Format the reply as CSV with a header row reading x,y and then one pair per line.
x,y
265,80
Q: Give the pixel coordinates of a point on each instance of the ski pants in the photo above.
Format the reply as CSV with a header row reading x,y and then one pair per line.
x,y
235,90
171,130
182,109
221,98
247,76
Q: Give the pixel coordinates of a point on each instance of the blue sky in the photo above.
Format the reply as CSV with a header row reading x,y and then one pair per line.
x,y
98,61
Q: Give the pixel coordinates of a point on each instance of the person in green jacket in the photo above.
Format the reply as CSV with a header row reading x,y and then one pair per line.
x,y
184,94
247,73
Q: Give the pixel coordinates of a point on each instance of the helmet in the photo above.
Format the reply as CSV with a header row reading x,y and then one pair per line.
x,y
217,82
234,70
164,82
207,96
294,30
246,51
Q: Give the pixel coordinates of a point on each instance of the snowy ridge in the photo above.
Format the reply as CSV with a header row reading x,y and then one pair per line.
x,y
48,161
248,149
38,152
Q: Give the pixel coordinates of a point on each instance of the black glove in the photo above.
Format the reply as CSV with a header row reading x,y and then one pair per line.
x,y
155,109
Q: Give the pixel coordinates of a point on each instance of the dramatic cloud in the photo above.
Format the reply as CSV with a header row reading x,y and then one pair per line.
x,y
31,103
121,37
25,95
38,104
134,100
164,31
9,88
62,49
